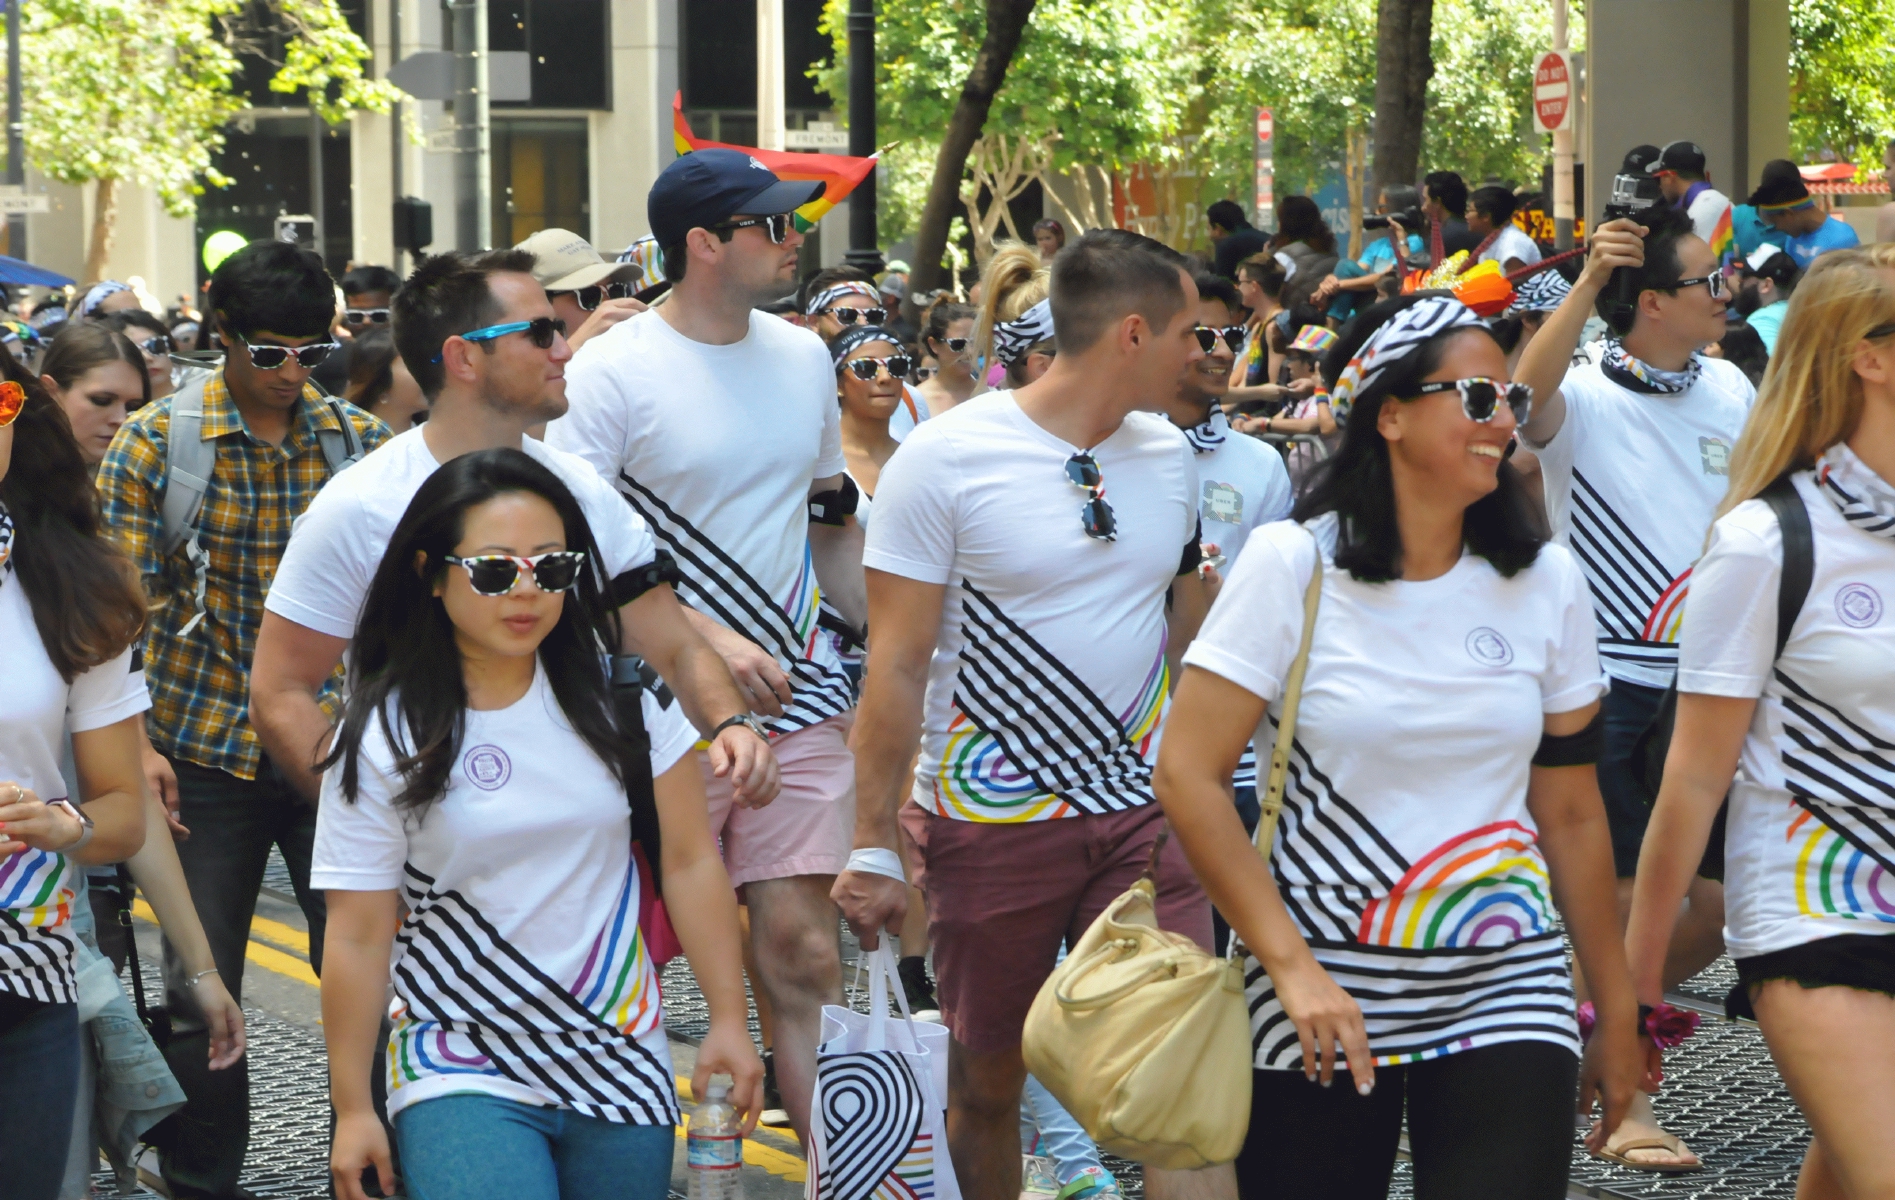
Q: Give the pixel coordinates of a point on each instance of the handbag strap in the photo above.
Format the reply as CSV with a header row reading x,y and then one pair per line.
x,y
1272,805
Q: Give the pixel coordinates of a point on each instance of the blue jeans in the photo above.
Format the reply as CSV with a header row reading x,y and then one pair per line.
x,y
1060,1136
461,1147
39,1084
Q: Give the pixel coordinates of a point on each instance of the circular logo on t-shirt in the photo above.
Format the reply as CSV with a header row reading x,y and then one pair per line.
x,y
1858,605
487,767
1488,648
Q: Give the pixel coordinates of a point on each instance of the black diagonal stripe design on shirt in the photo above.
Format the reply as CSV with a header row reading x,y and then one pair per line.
x,y
717,584
36,963
1627,579
1446,995
1052,727
455,963
1322,837
1841,773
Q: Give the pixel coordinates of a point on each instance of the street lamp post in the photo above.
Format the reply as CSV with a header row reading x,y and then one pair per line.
x,y
863,251
472,178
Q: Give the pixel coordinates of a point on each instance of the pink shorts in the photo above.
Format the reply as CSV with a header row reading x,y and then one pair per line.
x,y
809,828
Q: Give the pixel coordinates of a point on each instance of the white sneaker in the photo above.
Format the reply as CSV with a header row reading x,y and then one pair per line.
x,y
1037,1177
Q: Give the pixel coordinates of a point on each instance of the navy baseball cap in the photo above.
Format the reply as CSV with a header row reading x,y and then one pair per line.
x,y
704,187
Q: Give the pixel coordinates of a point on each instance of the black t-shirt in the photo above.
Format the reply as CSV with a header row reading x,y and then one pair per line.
x,y
1235,248
1455,235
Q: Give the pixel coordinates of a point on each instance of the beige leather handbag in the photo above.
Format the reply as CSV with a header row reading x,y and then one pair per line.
x,y
1140,1034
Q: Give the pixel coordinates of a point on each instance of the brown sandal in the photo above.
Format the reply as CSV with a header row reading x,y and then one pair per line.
x,y
1668,1142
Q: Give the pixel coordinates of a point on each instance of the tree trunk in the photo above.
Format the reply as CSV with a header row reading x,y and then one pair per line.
x,y
1006,24
1404,62
104,227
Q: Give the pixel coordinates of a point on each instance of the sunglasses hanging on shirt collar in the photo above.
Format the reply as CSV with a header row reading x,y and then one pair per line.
x,y
1095,517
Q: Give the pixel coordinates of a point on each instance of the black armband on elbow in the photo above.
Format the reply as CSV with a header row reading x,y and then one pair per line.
x,y
1581,749
636,582
835,506
1193,551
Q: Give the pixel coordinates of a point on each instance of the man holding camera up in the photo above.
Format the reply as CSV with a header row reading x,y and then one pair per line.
x,y
1635,454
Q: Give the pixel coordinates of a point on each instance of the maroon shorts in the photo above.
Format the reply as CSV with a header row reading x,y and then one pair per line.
x,y
1002,899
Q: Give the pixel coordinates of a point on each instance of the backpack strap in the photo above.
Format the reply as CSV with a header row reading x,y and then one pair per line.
x,y
340,448
190,461
1799,554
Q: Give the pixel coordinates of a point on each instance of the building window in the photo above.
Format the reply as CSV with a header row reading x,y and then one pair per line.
x,y
540,178
566,42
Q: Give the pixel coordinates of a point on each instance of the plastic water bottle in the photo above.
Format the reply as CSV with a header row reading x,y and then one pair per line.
x,y
713,1147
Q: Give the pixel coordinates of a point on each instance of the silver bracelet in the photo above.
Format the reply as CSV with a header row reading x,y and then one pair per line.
x,y
202,974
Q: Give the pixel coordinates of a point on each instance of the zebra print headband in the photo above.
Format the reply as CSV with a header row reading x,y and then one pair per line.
x,y
1030,328
1404,333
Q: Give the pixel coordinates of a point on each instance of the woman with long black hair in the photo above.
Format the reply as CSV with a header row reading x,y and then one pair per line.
x,y
478,815
70,611
1440,797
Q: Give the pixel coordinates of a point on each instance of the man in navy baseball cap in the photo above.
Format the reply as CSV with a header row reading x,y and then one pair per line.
x,y
715,189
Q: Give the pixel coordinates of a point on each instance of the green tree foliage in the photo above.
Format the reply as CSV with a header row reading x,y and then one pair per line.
x,y
141,91
1092,77
1842,78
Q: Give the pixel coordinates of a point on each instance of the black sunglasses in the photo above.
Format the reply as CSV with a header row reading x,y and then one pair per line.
x,y
158,345
1233,336
1095,517
1715,283
269,358
1880,331
589,298
777,225
365,316
846,317
957,345
867,369
498,574
1480,398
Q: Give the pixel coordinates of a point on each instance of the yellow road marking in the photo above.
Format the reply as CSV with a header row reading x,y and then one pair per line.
x,y
780,1163
265,956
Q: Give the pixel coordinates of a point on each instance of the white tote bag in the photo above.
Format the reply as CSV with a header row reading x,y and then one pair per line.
x,y
878,1119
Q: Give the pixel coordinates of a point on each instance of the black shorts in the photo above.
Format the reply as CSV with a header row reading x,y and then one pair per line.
x,y
1865,961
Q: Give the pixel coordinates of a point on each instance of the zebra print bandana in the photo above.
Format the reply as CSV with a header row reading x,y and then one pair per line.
x,y
1208,434
6,541
1404,334
1636,376
1013,338
1863,498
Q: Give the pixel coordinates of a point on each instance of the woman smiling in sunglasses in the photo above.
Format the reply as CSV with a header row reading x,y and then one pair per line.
x,y
1440,796
870,367
488,786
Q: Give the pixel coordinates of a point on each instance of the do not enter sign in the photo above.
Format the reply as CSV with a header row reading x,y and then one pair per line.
x,y
1553,91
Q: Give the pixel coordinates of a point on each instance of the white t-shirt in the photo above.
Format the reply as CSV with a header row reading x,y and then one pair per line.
x,y
1810,849
1511,244
1048,680
1242,483
1412,867
37,710
1632,481
519,970
336,546
716,446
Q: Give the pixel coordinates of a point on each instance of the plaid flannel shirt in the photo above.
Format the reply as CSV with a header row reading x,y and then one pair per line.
x,y
200,684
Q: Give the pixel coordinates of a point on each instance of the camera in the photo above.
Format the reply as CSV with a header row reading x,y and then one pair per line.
x,y
1411,220
1632,194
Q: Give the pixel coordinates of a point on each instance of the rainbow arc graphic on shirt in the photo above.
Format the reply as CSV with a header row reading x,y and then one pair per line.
x,y
1666,622
1834,878
1486,887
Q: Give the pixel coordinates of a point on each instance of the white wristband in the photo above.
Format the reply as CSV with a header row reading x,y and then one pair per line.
x,y
876,861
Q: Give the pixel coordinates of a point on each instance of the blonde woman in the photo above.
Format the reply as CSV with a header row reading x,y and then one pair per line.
x,y
1015,279
1810,847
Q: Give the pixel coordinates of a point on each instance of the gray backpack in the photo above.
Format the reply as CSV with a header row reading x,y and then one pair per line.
x,y
190,461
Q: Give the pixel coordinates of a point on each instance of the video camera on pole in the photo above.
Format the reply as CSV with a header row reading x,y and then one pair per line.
x,y
1634,189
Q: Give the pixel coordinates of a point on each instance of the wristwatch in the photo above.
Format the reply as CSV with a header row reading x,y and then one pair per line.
x,y
747,720
86,828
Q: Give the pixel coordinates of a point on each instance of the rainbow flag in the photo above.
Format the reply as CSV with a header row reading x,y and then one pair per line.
x,y
838,172
1724,238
